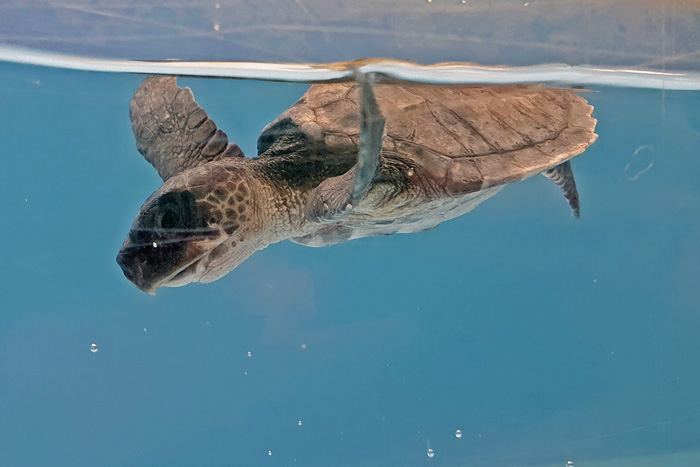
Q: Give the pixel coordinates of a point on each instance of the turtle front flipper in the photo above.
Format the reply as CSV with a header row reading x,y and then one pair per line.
x,y
172,131
335,197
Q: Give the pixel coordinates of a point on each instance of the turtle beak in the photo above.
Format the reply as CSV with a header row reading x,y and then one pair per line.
x,y
150,265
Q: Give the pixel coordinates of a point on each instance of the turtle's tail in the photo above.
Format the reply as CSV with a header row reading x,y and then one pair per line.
x,y
563,176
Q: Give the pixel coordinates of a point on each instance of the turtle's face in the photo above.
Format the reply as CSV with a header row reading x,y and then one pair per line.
x,y
183,234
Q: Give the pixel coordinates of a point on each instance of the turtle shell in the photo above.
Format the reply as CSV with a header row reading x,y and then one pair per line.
x,y
466,138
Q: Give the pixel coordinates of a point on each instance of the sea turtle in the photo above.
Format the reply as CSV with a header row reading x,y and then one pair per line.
x,y
328,170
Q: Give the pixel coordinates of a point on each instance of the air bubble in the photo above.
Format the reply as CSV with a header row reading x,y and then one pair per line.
x,y
250,354
642,161
299,423
155,245
458,433
569,464
93,348
431,453
217,27
269,453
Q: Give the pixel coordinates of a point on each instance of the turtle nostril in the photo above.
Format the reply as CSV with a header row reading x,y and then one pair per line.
x,y
133,271
130,266
123,262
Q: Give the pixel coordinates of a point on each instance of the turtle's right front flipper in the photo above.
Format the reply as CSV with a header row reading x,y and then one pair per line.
x,y
172,132
335,197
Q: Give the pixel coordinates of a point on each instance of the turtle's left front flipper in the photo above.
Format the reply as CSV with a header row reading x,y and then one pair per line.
x,y
335,197
172,131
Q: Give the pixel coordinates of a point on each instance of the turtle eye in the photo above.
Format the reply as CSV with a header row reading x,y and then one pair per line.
x,y
169,217
174,211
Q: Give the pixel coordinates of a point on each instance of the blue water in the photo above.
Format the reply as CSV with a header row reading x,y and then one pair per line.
x,y
542,338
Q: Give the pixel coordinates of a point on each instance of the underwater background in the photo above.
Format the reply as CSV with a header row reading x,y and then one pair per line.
x,y
542,338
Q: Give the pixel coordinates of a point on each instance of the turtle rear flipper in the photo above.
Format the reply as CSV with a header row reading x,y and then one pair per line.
x,y
172,131
335,197
563,177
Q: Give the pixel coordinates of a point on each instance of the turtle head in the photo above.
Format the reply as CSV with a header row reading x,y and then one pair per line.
x,y
194,228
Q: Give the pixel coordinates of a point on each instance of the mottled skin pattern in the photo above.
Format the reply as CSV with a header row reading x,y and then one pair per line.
x,y
242,205
329,170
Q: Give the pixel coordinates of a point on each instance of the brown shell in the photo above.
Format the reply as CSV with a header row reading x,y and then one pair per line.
x,y
465,137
